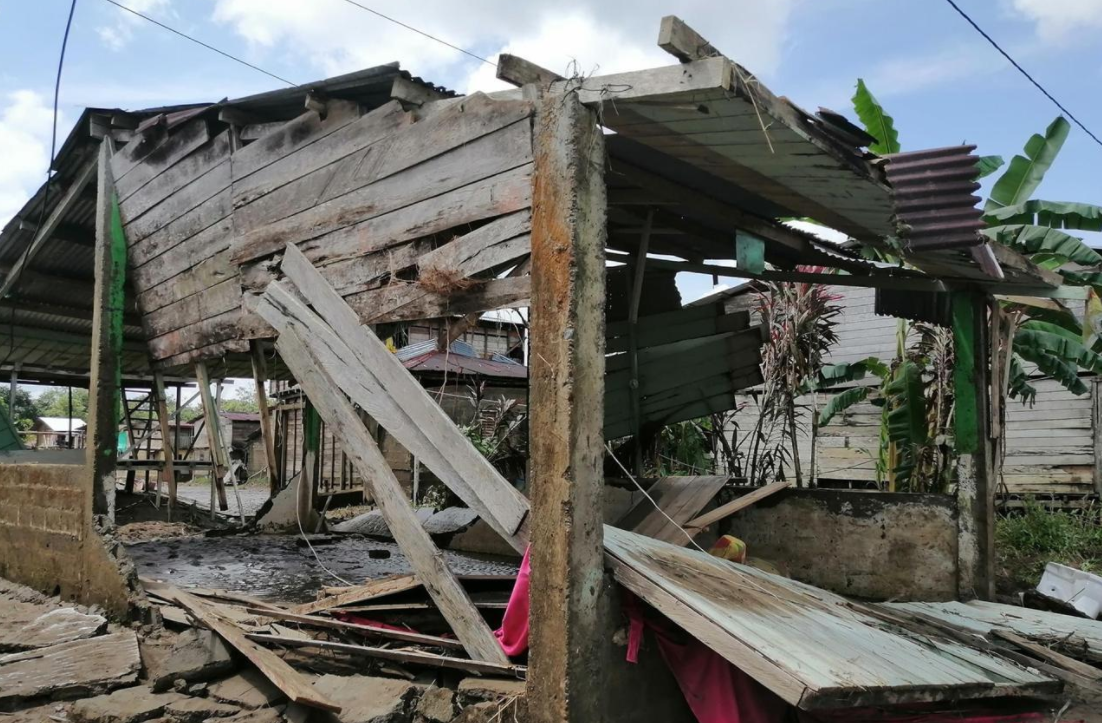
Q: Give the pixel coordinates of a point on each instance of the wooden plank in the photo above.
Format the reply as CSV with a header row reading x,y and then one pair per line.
x,y
492,246
1049,656
415,94
297,688
299,133
173,179
267,432
206,304
682,42
734,506
406,301
368,591
514,672
520,72
213,217
189,197
214,434
431,568
681,498
505,506
175,147
205,275
366,630
167,449
417,195
105,365
367,379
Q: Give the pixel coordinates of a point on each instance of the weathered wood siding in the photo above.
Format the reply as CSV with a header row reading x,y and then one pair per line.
x,y
1049,446
375,200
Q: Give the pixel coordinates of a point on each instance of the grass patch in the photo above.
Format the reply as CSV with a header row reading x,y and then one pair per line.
x,y
1025,541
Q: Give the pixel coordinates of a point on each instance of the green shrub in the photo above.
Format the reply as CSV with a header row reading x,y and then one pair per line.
x,y
1029,539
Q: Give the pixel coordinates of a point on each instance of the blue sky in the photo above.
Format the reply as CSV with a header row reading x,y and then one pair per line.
x,y
943,84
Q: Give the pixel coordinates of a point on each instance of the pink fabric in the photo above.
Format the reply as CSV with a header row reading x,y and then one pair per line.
x,y
513,633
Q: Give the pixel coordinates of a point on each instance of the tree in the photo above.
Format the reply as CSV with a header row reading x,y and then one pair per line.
x,y
25,408
54,402
244,400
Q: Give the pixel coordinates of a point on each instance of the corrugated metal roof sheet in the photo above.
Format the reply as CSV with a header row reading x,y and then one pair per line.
x,y
932,192
438,361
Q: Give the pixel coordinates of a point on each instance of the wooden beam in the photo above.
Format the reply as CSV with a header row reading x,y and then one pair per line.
x,y
415,94
567,413
368,591
70,197
520,72
106,363
267,432
214,435
378,382
297,688
308,479
695,525
1048,655
428,563
682,42
366,630
167,446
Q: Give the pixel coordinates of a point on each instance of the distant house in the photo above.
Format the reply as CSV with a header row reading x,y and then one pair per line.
x,y
56,433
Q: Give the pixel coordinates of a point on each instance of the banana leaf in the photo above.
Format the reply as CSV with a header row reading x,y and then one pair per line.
x,y
1019,386
877,123
1069,215
841,402
1075,335
1025,173
835,374
907,406
1031,240
1057,356
1062,318
1082,277
988,165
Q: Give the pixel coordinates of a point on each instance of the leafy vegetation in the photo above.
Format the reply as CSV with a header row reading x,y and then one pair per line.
x,y
1027,540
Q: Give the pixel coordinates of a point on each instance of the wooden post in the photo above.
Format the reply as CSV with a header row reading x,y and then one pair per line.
x,y
1096,430
975,472
567,668
307,481
638,275
12,386
108,302
131,452
214,435
167,446
260,378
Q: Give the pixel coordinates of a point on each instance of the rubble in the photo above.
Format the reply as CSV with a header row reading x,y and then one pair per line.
x,y
128,705
197,710
366,699
69,670
437,705
247,689
196,655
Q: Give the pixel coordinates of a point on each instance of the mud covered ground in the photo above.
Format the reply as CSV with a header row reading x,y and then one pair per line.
x,y
281,567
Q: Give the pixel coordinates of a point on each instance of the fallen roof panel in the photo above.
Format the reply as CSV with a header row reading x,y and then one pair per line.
x,y
811,647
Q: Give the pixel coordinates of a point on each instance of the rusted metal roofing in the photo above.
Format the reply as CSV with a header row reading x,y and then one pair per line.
x,y
439,362
933,192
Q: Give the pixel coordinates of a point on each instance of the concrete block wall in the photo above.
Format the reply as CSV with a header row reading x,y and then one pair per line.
x,y
48,540
873,545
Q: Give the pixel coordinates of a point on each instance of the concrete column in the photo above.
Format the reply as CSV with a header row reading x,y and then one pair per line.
x,y
568,618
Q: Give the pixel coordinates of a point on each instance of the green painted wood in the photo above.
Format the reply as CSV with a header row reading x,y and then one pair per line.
x,y
9,435
750,253
964,374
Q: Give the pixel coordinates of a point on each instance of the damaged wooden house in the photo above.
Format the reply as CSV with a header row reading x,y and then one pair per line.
x,y
270,236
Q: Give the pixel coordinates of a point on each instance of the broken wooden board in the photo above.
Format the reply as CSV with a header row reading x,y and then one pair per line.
x,y
680,498
1036,625
24,626
694,526
367,591
805,644
365,630
342,420
409,657
77,668
283,676
417,422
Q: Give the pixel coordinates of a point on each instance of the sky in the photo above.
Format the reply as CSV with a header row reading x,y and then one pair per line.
x,y
940,81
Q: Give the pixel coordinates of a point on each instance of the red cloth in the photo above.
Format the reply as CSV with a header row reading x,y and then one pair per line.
x,y
513,633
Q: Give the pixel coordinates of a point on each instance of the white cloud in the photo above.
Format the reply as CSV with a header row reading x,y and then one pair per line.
x,y
1056,20
118,33
25,147
332,36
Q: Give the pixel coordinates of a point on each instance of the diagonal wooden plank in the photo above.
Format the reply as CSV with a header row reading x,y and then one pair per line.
x,y
359,593
427,561
694,526
507,506
680,498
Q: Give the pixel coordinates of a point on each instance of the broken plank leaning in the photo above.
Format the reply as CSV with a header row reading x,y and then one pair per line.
x,y
694,526
367,630
368,591
418,422
341,419
297,688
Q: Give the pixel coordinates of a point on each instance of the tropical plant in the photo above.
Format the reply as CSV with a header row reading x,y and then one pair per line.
x,y
800,318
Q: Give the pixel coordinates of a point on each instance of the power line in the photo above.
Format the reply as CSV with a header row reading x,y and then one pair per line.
x,y
1022,70
419,32
200,42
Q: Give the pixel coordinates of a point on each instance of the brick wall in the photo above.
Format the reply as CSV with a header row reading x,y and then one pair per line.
x,y
47,540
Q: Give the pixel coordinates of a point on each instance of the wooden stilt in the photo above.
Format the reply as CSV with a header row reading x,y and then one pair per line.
x,y
260,378
214,435
168,448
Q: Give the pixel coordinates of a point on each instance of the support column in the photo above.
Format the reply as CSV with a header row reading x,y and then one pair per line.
x,y
108,301
260,378
975,470
568,625
214,436
168,447
308,478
